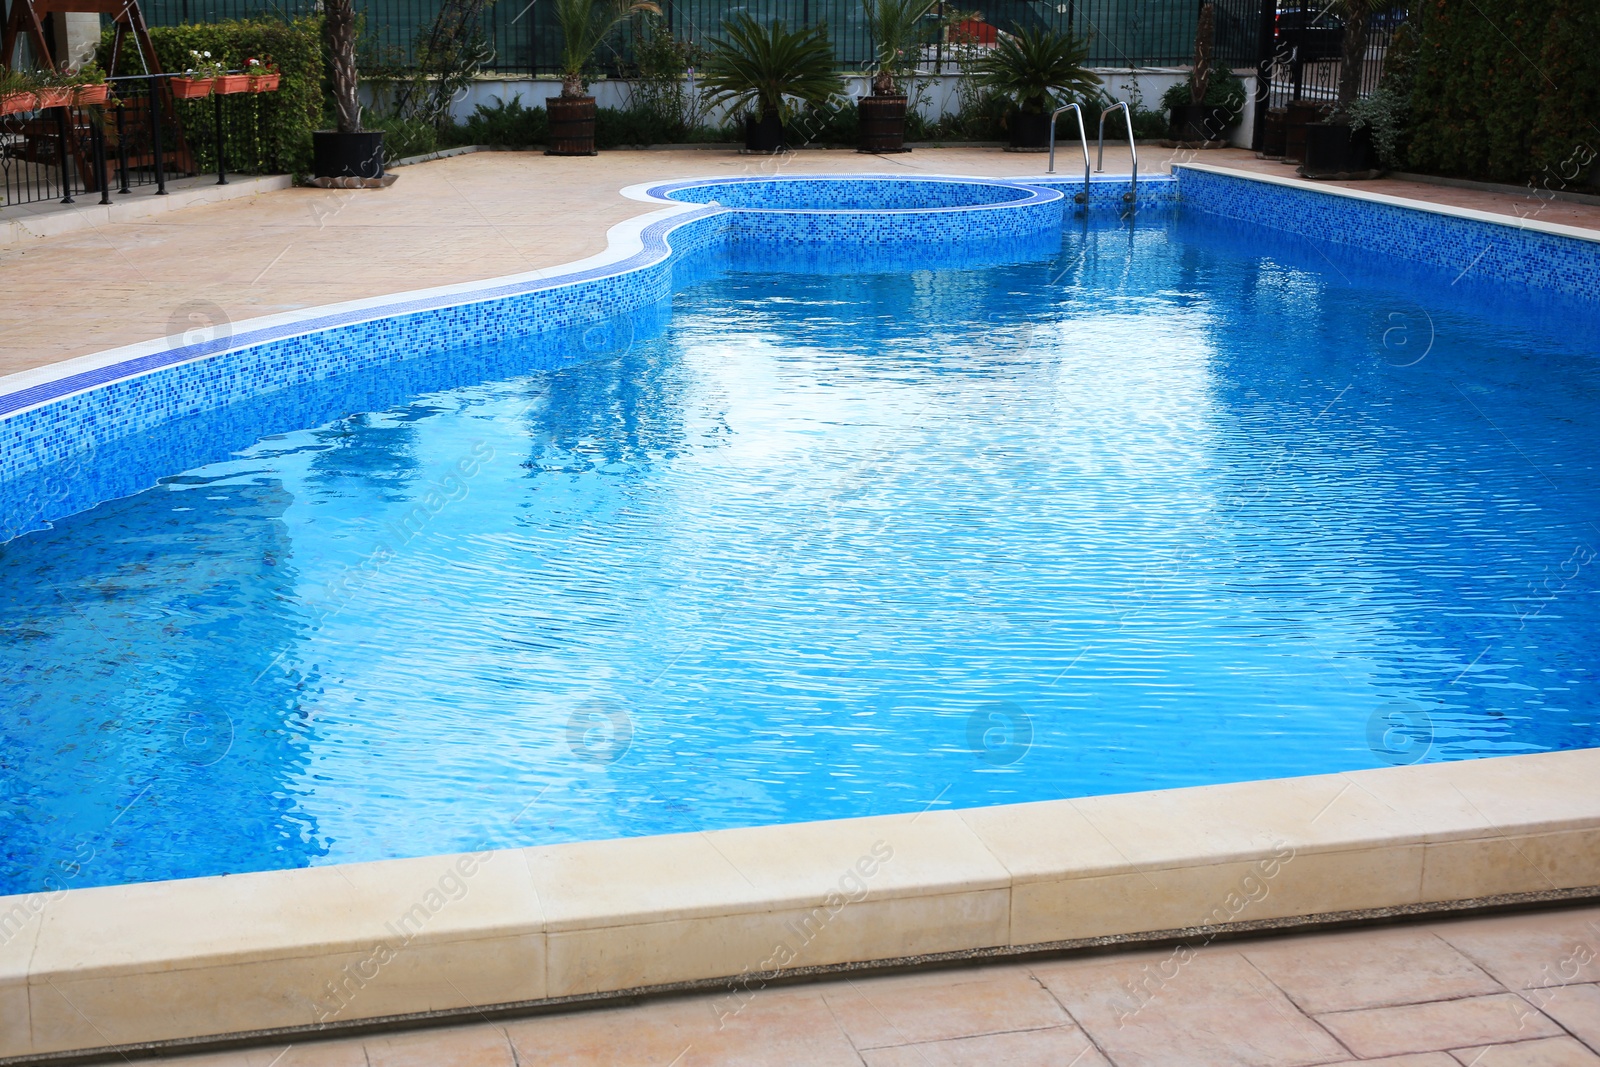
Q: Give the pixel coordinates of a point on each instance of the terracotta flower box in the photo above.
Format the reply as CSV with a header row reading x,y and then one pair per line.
x,y
191,88
228,84
265,83
92,95
37,99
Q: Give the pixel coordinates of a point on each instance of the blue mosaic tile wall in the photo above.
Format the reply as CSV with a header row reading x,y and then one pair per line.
x,y
1480,250
1039,213
830,210
1159,190
845,194
188,379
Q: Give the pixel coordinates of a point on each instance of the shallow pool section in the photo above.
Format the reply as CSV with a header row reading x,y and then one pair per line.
x,y
1187,502
848,194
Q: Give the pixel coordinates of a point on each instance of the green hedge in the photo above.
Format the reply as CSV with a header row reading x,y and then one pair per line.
x,y
264,133
1507,91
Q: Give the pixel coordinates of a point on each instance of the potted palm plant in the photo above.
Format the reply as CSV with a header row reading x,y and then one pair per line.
x,y
347,154
756,70
1033,68
1340,148
584,24
894,26
1204,108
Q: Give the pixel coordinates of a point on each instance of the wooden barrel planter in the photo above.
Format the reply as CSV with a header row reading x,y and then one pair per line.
x,y
883,124
571,126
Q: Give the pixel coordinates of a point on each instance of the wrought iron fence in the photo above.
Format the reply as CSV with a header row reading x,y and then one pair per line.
x,y
1308,53
524,40
70,154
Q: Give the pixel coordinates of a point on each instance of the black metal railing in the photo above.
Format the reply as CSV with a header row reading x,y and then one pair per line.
x,y
72,153
1308,53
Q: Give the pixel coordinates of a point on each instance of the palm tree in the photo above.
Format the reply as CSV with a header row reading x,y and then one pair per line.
x,y
584,24
756,68
1035,66
339,31
893,25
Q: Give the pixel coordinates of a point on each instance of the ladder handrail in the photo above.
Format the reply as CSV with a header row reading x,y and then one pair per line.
x,y
1083,140
1101,158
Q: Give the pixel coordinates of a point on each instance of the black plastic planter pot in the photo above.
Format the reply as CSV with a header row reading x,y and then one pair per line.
x,y
1275,134
347,155
1337,151
1029,131
571,125
1297,118
764,134
1196,122
883,123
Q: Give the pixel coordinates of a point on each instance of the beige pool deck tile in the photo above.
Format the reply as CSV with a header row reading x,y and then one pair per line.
x,y
1547,1052
1214,1010
346,1053
1576,1007
475,1046
1420,1059
764,1026
1533,950
1062,1046
1438,1026
894,1011
1368,969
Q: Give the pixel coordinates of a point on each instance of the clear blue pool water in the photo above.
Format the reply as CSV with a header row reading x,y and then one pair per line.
x,y
1177,505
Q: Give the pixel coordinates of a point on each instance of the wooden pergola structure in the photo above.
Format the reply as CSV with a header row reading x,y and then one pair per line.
x,y
27,20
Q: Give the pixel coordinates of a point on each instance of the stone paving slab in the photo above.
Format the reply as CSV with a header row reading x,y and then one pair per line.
x,y
1407,995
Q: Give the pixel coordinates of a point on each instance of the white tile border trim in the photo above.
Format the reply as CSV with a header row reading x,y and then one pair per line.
x,y
623,241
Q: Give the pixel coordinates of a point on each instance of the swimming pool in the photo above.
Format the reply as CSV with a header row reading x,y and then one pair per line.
x,y
1185,501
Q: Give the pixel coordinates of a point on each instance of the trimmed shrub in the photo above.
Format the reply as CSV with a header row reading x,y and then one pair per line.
x,y
505,125
1508,91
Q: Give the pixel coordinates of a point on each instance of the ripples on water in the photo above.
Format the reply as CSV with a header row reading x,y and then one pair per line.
x,y
1180,506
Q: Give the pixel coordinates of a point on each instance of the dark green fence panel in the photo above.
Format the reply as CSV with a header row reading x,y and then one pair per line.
x,y
1122,33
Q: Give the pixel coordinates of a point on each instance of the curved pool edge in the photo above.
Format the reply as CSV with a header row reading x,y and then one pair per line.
x,y
244,959
60,414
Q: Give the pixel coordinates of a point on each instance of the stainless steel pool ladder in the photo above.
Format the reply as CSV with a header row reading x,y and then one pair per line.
x,y
1132,196
1083,139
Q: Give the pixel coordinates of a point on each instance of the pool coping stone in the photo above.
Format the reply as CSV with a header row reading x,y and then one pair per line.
x,y
326,950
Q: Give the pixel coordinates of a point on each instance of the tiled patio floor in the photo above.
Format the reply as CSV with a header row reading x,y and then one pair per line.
x,y
1503,991
452,220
